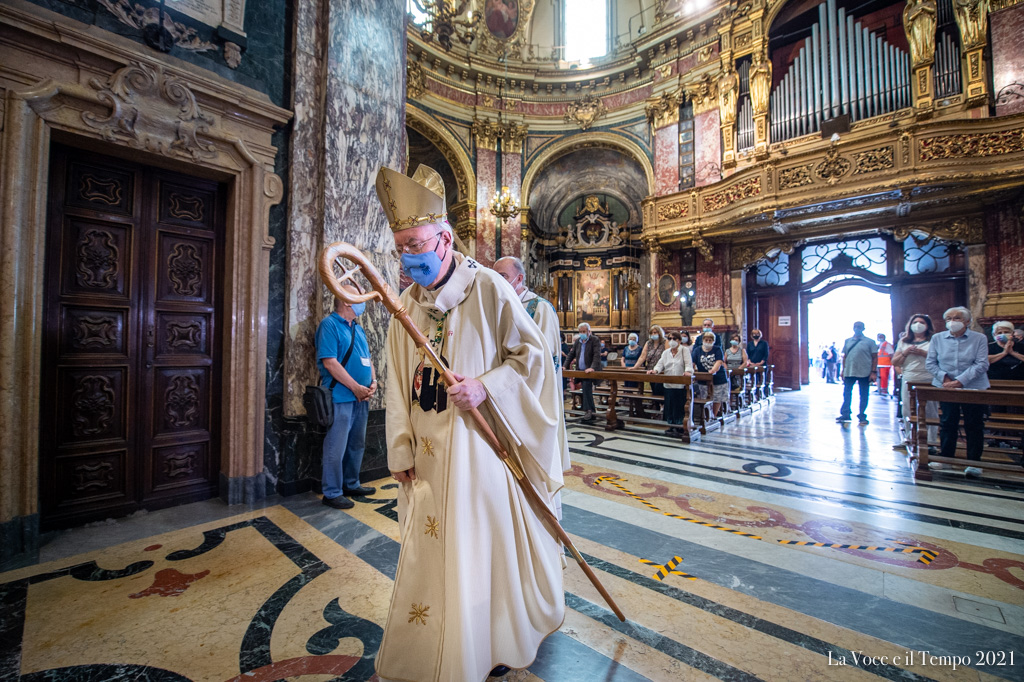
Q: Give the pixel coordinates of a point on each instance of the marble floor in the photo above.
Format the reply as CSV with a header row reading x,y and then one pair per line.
x,y
784,547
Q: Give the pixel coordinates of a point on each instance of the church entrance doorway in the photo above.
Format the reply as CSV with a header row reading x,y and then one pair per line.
x,y
830,317
915,271
129,414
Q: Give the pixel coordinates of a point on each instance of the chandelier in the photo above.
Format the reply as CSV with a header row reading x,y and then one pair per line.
x,y
503,205
444,21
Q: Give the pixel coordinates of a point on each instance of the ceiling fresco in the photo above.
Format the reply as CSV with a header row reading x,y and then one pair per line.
x,y
604,172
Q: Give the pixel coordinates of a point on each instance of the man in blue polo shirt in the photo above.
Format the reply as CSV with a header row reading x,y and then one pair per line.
x,y
343,358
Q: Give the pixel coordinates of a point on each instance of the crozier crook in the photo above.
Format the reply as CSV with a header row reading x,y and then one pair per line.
x,y
383,293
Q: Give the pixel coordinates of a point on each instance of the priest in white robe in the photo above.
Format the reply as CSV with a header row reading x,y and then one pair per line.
x,y
479,579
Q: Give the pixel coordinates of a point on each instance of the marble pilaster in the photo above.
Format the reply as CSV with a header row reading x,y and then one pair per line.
x,y
1007,28
707,142
511,231
485,187
666,159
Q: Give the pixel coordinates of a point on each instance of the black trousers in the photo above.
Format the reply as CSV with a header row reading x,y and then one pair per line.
x,y
974,429
675,402
864,388
588,395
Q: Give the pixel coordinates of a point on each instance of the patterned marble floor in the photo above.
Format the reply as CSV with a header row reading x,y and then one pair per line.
x,y
716,551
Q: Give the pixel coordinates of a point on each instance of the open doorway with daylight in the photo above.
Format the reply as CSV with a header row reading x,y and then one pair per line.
x,y
810,293
830,317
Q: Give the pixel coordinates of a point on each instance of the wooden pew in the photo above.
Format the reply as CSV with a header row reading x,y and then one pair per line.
x,y
616,420
1009,424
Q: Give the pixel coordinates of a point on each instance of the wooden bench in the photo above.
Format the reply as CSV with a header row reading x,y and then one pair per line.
x,y
1006,423
616,419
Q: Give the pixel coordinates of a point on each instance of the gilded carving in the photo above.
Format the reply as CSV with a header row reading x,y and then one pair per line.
x,y
446,150
703,94
919,25
672,211
488,133
728,89
833,167
905,147
874,160
743,41
151,110
181,401
97,260
704,248
972,18
585,111
705,54
760,83
972,145
742,190
92,406
416,81
184,269
664,110
964,230
745,256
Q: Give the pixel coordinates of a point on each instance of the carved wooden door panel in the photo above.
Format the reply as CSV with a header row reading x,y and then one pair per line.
x,y
129,386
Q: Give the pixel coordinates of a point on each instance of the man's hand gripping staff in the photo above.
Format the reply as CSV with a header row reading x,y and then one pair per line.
x,y
382,292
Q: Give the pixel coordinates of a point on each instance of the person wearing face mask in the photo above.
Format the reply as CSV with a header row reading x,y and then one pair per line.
x,y
674,362
649,356
885,351
586,353
477,560
757,349
860,355
958,358
707,327
630,354
1005,354
709,358
909,360
343,358
735,360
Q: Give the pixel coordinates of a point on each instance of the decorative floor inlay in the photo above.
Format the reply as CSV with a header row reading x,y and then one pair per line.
x,y
742,557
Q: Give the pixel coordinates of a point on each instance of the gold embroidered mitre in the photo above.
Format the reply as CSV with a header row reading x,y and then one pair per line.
x,y
411,202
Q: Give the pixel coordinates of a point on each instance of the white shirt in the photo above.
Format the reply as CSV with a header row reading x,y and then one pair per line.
x,y
677,365
913,365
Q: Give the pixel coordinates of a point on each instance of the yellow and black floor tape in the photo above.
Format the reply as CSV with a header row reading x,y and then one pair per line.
x,y
669,568
926,556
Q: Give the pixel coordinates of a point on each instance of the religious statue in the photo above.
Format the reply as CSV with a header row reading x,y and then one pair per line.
x,y
972,18
919,24
760,82
728,88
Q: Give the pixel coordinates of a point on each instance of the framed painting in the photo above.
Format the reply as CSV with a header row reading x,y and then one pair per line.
x,y
593,300
502,18
666,289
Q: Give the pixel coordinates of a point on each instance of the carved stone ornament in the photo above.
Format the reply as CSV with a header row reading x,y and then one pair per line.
x,y
232,54
874,160
664,110
972,18
153,111
745,256
488,133
142,18
703,94
704,248
961,230
919,25
676,209
760,83
728,90
833,167
466,231
741,190
416,81
585,111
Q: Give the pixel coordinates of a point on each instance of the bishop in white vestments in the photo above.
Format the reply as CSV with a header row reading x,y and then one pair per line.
x,y
479,579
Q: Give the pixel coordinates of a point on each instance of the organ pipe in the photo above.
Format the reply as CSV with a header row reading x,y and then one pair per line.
x,y
843,68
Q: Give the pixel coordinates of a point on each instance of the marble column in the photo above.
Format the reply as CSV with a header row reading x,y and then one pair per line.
x,y
666,159
714,288
1007,28
350,90
511,177
707,142
486,171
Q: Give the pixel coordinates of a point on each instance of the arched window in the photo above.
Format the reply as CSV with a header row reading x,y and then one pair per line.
x,y
586,30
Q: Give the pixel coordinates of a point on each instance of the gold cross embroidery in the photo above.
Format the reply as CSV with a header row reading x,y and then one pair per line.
x,y
432,527
419,614
428,447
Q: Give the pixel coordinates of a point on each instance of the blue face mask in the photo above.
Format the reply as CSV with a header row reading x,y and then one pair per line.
x,y
423,268
358,309
707,329
632,343
1001,338
584,338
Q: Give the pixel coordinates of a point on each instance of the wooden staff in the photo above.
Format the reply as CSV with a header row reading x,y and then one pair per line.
x,y
382,292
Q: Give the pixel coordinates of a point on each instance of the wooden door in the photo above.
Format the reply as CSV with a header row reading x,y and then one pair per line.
x,y
130,359
931,298
769,313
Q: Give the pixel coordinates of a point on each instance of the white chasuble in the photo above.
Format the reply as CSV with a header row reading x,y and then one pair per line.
x,y
479,579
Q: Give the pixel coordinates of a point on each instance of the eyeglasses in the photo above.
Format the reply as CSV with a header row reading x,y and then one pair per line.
x,y
414,248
